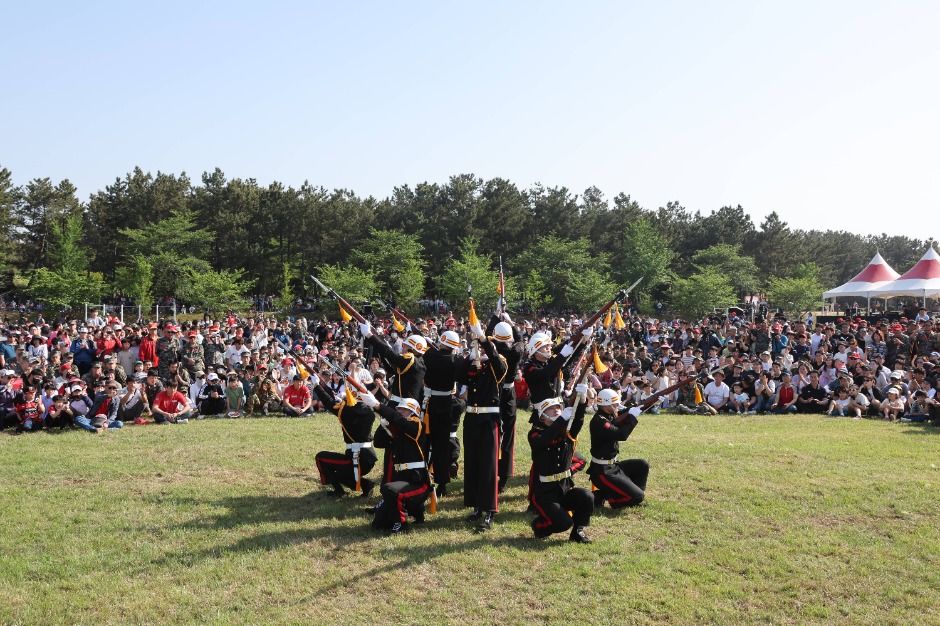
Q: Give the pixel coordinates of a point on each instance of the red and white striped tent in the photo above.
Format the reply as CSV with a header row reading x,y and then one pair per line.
x,y
875,275
922,280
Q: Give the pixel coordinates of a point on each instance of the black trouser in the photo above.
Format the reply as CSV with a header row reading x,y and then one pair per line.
x,y
507,441
336,468
621,484
405,494
130,414
553,501
481,452
212,406
445,450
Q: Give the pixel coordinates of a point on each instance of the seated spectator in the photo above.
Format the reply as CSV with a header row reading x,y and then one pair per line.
x,y
859,403
107,409
764,391
212,397
919,409
297,398
265,399
134,404
170,406
717,393
785,397
740,401
813,398
28,411
235,397
893,407
839,404
59,414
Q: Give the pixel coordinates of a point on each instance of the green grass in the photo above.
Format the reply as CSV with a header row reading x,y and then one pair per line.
x,y
758,519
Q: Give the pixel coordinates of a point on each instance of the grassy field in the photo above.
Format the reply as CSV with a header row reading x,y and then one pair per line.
x,y
758,519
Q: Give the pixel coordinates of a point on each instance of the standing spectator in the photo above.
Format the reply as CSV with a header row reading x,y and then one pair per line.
x,y
148,347
83,348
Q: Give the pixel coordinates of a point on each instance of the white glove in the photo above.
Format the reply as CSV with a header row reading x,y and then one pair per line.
x,y
505,317
477,330
567,413
587,332
313,380
581,389
366,329
567,350
383,422
635,411
369,400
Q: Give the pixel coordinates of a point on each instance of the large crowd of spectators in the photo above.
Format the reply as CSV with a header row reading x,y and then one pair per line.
x,y
98,374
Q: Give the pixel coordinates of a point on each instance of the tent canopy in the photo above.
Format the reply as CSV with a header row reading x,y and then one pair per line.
x,y
922,280
876,274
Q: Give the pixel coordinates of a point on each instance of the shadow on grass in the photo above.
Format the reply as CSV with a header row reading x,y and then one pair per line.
x,y
920,428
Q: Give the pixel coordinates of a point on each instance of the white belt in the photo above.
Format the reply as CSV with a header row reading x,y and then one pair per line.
x,y
356,447
453,435
509,385
482,409
598,461
396,399
400,467
434,392
555,477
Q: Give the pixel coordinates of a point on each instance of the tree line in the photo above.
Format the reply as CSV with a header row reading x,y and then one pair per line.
x,y
218,239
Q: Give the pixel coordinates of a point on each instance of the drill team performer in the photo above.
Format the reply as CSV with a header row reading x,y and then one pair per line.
x,y
483,373
349,468
509,344
409,486
405,381
620,483
559,504
441,363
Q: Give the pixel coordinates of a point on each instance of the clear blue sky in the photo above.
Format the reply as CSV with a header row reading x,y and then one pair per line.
x,y
826,112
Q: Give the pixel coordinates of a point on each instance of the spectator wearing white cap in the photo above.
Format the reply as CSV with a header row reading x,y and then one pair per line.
x,y
212,397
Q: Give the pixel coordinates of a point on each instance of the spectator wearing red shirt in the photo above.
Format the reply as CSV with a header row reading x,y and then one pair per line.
x,y
297,398
29,411
148,348
171,406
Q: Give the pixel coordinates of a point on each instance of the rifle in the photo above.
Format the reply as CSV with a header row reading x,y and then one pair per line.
x,y
501,289
620,419
620,297
341,300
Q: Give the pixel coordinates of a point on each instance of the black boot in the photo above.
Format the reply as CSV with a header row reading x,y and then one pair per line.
x,y
475,516
367,486
398,528
338,491
486,522
578,535
453,470
599,500
419,516
441,490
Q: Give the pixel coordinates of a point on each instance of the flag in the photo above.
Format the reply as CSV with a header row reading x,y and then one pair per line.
x,y
619,324
698,394
343,315
350,398
473,314
599,367
607,318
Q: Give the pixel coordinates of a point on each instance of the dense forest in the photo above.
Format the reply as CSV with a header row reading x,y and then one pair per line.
x,y
147,235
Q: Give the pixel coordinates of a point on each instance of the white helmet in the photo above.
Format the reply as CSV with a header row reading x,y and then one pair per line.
x,y
503,332
450,339
416,343
546,404
539,341
608,397
411,404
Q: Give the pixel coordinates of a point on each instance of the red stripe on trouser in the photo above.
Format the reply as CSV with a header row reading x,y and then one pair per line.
x,y
496,468
626,496
547,520
402,515
331,462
